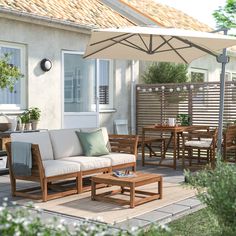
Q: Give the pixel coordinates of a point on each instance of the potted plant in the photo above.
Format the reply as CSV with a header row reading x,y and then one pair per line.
x,y
25,121
34,113
183,119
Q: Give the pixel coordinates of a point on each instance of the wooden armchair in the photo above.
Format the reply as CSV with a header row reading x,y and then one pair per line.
x,y
229,144
124,144
199,140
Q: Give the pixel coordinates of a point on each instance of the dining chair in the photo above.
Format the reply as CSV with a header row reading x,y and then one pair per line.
x,y
196,140
229,144
121,127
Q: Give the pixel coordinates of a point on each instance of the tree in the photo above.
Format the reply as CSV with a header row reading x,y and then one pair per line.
x,y
226,16
9,74
165,72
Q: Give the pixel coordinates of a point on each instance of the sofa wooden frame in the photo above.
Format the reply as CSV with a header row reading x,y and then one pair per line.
x,y
119,143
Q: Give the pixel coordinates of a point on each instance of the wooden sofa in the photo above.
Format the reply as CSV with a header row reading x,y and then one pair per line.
x,y
58,160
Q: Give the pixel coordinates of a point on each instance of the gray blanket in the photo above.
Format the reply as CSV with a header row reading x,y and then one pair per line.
x,y
21,158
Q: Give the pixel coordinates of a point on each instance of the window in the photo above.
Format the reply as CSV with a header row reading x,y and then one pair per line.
x,y
227,76
105,84
15,100
233,76
198,75
79,83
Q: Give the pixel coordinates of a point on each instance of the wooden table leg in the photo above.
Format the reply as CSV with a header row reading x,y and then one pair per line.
x,y
93,189
160,187
174,150
122,189
143,148
132,195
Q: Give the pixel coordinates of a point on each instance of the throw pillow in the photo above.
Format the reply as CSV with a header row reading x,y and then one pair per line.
x,y
104,133
93,143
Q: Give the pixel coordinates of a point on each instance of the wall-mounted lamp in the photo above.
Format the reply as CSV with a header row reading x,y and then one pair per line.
x,y
46,64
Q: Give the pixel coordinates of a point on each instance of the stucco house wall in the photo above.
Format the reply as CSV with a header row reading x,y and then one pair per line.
x,y
44,89
213,68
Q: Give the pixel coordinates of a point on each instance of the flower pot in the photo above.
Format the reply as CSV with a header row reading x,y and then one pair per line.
x,y
34,125
21,127
27,126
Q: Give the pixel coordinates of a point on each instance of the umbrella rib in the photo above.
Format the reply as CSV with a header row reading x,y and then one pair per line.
x,y
113,38
99,50
191,44
161,45
131,45
166,50
167,42
143,41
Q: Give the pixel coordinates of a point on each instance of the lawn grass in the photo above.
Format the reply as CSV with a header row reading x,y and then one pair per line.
x,y
198,223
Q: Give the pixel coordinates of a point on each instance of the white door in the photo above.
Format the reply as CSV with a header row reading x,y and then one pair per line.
x,y
80,107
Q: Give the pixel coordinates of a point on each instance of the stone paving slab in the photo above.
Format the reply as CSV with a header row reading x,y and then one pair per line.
x,y
173,209
130,223
154,216
191,202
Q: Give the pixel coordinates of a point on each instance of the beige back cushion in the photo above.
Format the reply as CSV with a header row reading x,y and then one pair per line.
x,y
65,143
40,138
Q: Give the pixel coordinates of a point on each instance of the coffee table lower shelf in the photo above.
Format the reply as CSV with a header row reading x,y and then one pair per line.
x,y
127,185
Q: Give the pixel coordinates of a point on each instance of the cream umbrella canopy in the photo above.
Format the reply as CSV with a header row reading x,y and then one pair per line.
x,y
155,44
161,44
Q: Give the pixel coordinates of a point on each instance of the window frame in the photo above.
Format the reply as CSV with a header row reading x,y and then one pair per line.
x,y
198,70
104,107
23,98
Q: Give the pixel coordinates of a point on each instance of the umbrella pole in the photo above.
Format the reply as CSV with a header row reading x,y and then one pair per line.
x,y
132,115
223,59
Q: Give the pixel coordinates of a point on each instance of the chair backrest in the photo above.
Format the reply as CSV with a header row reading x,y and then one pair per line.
x,y
230,136
121,126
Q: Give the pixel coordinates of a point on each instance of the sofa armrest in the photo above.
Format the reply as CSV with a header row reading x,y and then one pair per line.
x,y
124,143
37,165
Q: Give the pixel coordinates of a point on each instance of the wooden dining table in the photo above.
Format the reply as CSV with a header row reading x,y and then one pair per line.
x,y
175,133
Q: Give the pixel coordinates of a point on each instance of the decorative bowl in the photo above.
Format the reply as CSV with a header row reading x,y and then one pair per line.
x,y
5,127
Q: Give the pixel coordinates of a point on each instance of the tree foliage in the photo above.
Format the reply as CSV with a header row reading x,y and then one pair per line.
x,y
9,74
226,16
165,72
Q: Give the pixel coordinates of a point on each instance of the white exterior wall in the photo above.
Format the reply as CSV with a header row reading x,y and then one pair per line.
x,y
213,68
121,95
45,88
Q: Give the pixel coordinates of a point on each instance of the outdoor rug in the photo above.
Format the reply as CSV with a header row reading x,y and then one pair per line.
x,y
82,206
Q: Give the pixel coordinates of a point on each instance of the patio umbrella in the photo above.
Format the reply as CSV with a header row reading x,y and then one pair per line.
x,y
160,44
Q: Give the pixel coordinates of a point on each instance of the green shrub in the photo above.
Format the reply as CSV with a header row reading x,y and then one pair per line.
x,y
9,74
217,189
165,72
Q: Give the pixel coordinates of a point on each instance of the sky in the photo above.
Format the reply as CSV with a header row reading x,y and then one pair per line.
x,y
199,9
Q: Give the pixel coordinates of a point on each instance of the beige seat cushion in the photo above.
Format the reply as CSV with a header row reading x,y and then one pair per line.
x,y
200,144
120,158
58,167
40,138
89,163
65,143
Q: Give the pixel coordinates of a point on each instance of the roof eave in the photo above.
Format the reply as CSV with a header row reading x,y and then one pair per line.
x,y
45,21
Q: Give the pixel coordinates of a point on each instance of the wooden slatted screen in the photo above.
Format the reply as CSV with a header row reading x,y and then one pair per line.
x,y
157,102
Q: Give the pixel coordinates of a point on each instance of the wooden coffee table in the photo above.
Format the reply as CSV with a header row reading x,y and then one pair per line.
x,y
127,184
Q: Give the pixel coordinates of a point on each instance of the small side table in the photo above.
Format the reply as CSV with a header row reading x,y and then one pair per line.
x,y
127,184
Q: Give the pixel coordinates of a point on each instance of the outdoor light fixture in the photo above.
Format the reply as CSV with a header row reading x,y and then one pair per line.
x,y
46,64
